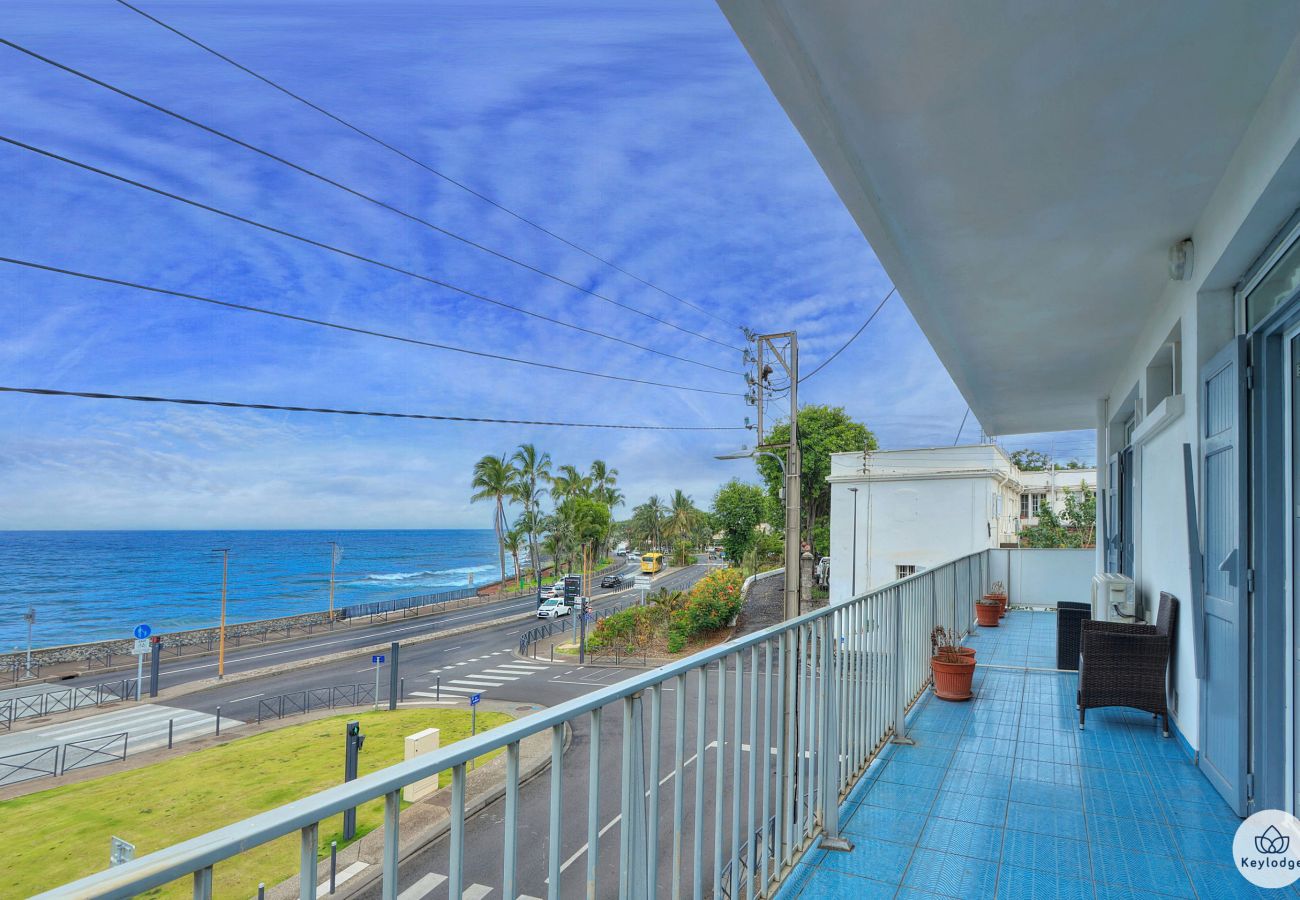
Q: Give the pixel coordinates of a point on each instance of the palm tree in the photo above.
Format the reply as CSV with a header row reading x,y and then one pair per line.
x,y
512,541
568,482
493,477
682,517
656,512
532,470
604,482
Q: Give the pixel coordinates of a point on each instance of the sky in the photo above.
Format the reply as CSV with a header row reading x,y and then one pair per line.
x,y
640,131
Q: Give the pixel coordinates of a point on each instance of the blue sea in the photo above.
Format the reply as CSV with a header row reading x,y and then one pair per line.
x,y
94,585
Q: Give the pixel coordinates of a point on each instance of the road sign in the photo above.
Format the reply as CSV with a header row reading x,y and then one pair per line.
x,y
140,647
377,658
119,851
474,699
142,632
642,582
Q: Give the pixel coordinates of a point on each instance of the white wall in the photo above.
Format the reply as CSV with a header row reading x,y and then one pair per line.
x,y
1042,577
1257,193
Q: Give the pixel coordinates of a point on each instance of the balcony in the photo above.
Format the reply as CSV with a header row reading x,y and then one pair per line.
x,y
735,767
1004,796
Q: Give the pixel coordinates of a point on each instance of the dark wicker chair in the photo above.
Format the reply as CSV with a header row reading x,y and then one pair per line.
x,y
1126,665
1069,616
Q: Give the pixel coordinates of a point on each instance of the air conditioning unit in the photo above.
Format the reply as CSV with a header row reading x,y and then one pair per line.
x,y
1112,597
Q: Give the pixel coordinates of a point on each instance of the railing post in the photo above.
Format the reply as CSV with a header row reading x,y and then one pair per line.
x,y
509,879
392,841
829,752
203,884
634,868
334,864
553,850
307,862
900,702
593,802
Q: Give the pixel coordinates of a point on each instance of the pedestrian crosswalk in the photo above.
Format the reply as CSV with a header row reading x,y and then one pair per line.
x,y
146,726
426,884
479,675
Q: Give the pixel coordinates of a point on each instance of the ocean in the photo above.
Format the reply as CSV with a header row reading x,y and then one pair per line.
x,y
96,585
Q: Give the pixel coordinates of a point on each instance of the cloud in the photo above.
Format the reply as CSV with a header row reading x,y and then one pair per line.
x,y
642,132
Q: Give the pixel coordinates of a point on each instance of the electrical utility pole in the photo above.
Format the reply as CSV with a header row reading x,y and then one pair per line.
x,y
782,349
335,552
221,634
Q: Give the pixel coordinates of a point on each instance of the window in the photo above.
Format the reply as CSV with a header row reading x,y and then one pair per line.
x,y
1030,504
904,571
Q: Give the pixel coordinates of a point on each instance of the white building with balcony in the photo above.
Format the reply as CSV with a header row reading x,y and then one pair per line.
x,y
1051,488
1093,213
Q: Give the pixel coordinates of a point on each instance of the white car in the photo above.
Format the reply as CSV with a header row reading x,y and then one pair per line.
x,y
553,609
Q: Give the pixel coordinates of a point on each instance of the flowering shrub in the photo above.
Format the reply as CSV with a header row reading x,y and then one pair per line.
x,y
713,602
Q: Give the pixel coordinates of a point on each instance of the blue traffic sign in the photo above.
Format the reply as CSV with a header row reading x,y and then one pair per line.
x,y
474,699
377,659
142,632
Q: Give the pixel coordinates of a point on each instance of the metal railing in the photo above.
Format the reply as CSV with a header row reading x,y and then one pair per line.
x,y
566,623
811,702
94,751
28,706
298,702
29,764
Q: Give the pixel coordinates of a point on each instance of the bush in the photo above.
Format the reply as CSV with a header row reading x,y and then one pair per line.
x,y
626,629
713,602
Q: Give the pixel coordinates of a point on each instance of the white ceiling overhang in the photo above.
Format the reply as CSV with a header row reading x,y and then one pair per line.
x,y
1022,169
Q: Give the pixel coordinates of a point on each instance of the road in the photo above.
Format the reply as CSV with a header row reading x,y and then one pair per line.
x,y
484,661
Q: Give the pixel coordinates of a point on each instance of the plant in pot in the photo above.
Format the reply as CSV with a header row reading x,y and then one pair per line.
x,y
952,665
987,612
998,594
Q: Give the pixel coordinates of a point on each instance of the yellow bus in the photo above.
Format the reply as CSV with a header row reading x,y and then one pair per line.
x,y
652,562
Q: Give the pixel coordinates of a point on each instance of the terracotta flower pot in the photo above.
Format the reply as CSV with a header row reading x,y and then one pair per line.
x,y
1001,600
987,614
960,651
952,679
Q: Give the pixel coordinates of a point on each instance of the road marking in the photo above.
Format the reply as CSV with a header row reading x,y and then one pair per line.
x,y
503,675
323,889
462,690
422,888
526,667
249,697
476,892
477,682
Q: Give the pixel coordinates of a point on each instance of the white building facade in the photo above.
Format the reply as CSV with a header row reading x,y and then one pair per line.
x,y
1093,213
897,512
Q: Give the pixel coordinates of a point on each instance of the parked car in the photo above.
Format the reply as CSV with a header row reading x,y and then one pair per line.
x,y
611,581
553,609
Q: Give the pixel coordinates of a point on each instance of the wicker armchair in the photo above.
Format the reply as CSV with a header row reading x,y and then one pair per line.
x,y
1126,665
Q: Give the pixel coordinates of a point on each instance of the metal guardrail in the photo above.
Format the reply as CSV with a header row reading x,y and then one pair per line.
x,y
18,670
819,695
567,623
94,751
28,706
29,764
298,702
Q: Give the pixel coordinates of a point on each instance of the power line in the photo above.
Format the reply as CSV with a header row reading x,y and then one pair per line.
x,y
861,328
348,253
360,194
423,165
97,395
104,279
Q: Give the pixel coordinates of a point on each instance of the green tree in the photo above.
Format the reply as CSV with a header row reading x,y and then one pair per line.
x,y
494,480
532,470
513,542
568,482
1076,526
1027,460
738,508
823,430
682,517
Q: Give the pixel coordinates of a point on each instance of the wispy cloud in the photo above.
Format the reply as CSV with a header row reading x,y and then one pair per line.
x,y
642,131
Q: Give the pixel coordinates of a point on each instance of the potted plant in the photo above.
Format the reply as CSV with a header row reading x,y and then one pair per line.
x,y
952,665
998,593
987,612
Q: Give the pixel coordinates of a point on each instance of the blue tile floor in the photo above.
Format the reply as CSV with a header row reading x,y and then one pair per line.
x,y
1003,796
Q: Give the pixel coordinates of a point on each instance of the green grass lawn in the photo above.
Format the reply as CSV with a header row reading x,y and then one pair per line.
x,y
58,835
